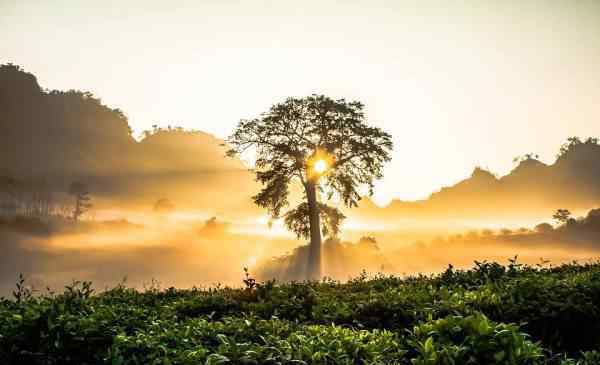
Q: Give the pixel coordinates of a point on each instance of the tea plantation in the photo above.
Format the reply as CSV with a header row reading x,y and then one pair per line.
x,y
491,314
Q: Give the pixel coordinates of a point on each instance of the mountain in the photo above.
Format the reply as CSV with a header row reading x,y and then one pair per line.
x,y
50,138
53,138
531,188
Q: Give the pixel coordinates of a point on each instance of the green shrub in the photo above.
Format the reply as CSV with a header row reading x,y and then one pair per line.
x,y
457,317
472,340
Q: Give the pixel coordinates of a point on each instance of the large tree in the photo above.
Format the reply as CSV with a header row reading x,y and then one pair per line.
x,y
326,146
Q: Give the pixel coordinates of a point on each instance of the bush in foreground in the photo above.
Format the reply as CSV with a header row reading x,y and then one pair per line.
x,y
491,314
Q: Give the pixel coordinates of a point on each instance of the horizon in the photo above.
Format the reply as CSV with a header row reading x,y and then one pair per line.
x,y
444,80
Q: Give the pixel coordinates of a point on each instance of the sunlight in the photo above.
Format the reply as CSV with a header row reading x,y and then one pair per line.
x,y
263,226
354,224
320,167
251,261
319,163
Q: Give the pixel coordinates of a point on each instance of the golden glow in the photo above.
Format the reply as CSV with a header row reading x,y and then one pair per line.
x,y
251,261
448,64
320,167
319,163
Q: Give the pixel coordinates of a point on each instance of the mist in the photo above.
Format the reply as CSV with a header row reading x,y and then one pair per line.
x,y
169,208
163,251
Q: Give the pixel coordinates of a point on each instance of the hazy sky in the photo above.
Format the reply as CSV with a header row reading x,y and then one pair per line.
x,y
457,83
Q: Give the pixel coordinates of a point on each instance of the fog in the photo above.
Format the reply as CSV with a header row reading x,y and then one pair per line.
x,y
171,208
183,250
179,254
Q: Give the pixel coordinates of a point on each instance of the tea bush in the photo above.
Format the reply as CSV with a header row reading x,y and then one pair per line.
x,y
491,314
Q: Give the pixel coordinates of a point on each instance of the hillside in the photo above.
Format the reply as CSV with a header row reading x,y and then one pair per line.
x,y
51,138
573,181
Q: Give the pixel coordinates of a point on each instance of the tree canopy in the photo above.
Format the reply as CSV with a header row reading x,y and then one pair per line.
x,y
294,134
323,143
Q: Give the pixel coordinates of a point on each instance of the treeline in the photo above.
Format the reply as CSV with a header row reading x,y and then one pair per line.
x,y
566,228
38,200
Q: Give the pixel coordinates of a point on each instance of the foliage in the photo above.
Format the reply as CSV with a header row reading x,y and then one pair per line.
x,y
296,220
290,133
574,142
291,139
491,314
526,157
562,216
472,340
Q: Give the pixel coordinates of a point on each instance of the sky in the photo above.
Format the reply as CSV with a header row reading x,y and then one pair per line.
x,y
458,84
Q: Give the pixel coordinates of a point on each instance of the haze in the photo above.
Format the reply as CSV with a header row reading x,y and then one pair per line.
x,y
461,87
457,84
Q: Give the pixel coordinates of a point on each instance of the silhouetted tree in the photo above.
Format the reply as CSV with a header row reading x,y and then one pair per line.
x,y
324,144
368,242
526,157
81,194
562,216
487,233
573,142
163,206
213,227
544,228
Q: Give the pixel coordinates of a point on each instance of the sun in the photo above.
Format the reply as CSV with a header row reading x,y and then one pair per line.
x,y
319,163
320,166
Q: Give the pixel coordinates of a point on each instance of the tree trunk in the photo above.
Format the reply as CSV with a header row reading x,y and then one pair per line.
x,y
314,251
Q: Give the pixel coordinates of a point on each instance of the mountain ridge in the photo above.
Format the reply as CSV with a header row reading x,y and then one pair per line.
x,y
573,181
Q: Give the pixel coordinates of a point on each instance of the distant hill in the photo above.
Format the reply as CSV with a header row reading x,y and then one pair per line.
x,y
50,138
573,181
55,137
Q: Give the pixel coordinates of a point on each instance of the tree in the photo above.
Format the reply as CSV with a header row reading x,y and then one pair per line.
x,y
526,157
562,216
544,228
368,242
163,206
323,144
81,194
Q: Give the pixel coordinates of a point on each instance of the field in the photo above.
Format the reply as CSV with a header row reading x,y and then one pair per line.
x,y
491,314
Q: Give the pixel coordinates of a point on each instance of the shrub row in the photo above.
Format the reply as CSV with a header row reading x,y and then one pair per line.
x,y
491,314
